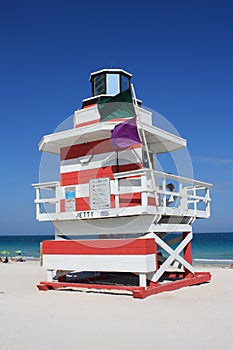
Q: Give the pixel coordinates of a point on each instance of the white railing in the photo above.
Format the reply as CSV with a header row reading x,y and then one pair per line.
x,y
173,195
47,198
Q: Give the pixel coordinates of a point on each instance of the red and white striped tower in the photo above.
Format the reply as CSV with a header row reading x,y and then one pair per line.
x,y
113,211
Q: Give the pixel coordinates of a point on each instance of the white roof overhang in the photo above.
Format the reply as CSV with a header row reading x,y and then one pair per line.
x,y
52,143
158,140
161,141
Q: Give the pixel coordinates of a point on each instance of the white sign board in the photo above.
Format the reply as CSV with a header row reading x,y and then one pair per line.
x,y
100,193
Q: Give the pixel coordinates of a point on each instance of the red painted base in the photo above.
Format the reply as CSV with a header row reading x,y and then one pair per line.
x,y
138,292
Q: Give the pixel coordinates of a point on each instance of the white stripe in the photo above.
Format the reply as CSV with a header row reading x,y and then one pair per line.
x,y
96,161
101,160
121,263
86,115
91,113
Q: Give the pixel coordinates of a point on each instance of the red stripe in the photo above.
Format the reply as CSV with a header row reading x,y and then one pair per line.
x,y
95,147
88,106
130,199
87,123
80,150
62,205
84,176
151,201
95,121
100,247
82,203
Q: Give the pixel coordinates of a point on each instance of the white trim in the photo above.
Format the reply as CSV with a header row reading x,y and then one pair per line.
x,y
110,70
93,97
171,228
86,115
121,263
158,140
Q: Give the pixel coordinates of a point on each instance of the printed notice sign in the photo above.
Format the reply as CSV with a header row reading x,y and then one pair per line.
x,y
100,193
70,199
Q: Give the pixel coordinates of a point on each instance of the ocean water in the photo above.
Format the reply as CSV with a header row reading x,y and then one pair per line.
x,y
208,248
30,245
213,248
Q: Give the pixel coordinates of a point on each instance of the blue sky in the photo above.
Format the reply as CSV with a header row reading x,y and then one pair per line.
x,y
179,52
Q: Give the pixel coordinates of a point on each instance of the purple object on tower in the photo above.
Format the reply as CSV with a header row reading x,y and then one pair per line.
x,y
125,134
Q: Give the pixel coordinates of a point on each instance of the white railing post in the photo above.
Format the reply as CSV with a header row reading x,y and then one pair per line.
x,y
117,200
37,204
194,200
57,196
183,197
163,194
144,191
207,205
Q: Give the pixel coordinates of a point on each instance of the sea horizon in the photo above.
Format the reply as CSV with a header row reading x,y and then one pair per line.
x,y
52,234
208,248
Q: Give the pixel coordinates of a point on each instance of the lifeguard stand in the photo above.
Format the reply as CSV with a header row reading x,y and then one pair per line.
x,y
114,213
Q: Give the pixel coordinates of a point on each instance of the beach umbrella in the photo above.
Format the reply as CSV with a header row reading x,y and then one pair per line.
x,y
5,252
19,251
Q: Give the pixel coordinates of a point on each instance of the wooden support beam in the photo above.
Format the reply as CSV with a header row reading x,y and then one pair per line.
x,y
174,254
137,292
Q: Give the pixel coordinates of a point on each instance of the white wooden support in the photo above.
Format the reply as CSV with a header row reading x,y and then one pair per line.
x,y
144,192
164,190
195,201
50,275
117,201
57,196
207,197
183,201
174,255
142,279
145,143
37,204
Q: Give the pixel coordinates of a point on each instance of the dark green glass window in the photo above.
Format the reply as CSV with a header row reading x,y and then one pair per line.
x,y
100,84
124,83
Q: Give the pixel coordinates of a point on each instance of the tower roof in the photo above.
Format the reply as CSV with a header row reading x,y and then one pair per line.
x,y
110,70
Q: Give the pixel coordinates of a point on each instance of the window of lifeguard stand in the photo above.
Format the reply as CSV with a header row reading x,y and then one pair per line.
x,y
110,84
113,87
99,85
124,82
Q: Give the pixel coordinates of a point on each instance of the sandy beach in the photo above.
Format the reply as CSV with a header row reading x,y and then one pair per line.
x,y
198,317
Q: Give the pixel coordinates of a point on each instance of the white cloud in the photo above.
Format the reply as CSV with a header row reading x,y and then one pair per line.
x,y
214,161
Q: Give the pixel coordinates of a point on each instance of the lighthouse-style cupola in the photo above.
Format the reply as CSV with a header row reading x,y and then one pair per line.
x,y
107,82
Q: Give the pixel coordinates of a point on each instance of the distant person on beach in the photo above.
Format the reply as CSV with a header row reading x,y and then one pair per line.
x,y
19,259
5,261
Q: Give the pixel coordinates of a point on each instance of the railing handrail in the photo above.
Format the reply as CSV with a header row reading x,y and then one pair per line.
x,y
162,174
129,173
47,185
134,173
